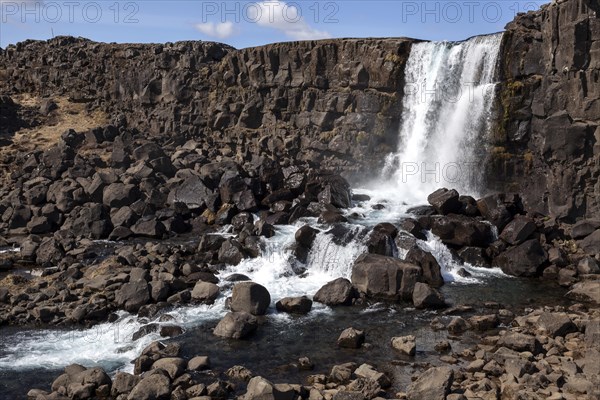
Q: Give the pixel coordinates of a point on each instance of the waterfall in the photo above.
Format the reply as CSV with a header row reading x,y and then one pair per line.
x,y
449,90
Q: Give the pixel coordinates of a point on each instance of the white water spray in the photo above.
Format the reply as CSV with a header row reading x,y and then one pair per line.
x,y
449,91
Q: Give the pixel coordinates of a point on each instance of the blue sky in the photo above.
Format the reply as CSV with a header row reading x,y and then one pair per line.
x,y
251,23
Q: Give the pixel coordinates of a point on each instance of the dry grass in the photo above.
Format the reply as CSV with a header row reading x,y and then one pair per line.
x,y
68,115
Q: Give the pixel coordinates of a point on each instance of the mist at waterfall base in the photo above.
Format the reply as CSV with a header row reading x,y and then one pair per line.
x,y
441,129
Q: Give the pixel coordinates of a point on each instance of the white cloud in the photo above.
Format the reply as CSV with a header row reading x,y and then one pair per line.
x,y
287,19
221,30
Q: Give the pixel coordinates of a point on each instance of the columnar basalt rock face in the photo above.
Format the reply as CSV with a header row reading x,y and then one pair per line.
x,y
547,141
333,102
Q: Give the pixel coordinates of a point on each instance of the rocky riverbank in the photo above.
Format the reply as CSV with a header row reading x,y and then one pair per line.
x,y
549,353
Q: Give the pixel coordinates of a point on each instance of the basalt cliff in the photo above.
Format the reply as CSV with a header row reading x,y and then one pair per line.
x,y
334,103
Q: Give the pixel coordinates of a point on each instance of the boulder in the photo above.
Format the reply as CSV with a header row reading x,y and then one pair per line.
x,y
338,292
460,230
424,296
154,386
132,295
584,228
405,344
123,383
367,371
118,195
205,292
231,252
430,268
261,389
522,260
484,323
381,239
588,265
174,366
587,291
198,363
433,384
194,194
591,244
556,324
500,208
294,305
518,230
445,201
334,190
236,325
250,297
520,342
306,235
351,338
385,278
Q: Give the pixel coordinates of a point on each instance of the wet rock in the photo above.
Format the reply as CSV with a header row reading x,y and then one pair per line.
x,y
424,296
522,260
445,201
405,344
459,230
205,292
331,217
381,239
231,252
236,325
351,338
433,384
475,256
431,270
170,330
305,236
250,297
382,277
335,190
294,305
338,292
499,208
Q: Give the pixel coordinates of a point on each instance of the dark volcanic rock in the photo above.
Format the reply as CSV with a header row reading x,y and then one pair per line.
x,y
132,295
250,297
294,305
459,230
338,292
522,260
445,201
382,277
236,325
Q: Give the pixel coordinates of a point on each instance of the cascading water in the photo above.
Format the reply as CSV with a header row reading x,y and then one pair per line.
x,y
446,112
449,91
